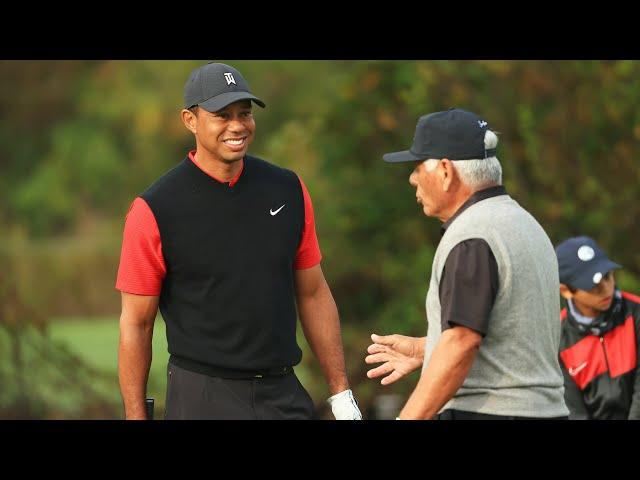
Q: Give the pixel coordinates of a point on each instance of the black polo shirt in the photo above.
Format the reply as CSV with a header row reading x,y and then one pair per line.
x,y
469,282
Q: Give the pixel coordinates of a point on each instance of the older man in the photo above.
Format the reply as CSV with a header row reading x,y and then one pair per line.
x,y
491,350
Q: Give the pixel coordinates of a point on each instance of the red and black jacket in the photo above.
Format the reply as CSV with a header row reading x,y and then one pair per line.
x,y
600,368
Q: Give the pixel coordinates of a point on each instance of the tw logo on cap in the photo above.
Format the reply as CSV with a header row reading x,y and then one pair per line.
x,y
482,123
229,78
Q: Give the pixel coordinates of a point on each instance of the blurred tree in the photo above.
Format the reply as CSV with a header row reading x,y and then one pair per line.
x,y
40,378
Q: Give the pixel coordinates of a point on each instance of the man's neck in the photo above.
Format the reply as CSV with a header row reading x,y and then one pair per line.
x,y
223,171
585,312
460,198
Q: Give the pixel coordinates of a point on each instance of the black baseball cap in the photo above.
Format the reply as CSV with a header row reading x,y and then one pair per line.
x,y
582,263
215,85
455,134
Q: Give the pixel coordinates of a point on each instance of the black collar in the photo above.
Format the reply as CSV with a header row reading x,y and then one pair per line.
x,y
475,198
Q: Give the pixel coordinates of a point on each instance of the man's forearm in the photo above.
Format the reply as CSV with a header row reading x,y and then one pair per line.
x,y
321,326
419,345
448,367
134,361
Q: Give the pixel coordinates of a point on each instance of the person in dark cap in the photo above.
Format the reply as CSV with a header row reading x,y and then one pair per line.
x,y
600,332
224,244
491,350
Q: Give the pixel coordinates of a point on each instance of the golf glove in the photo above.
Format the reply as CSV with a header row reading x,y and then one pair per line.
x,y
344,406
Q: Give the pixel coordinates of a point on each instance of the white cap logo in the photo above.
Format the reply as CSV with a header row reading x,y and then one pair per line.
x,y
482,123
597,277
586,253
229,78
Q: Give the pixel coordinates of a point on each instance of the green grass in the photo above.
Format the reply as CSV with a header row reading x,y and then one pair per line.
x,y
95,340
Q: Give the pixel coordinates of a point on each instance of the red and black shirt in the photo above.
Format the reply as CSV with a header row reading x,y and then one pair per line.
x,y
222,258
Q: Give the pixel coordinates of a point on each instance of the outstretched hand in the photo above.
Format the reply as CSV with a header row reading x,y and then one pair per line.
x,y
401,355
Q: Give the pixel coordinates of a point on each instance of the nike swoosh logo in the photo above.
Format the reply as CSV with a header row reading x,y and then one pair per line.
x,y
276,212
574,371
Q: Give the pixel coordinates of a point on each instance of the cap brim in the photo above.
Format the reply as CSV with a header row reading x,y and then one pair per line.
x,y
404,156
585,282
218,102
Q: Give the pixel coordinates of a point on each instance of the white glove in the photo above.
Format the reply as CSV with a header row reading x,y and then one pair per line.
x,y
344,406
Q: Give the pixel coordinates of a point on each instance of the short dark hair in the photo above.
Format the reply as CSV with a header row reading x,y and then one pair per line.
x,y
194,109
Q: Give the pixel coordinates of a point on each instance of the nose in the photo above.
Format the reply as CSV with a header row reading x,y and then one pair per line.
x,y
610,282
606,286
236,125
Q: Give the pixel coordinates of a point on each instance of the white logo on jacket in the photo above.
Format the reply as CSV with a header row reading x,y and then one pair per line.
x,y
276,212
574,371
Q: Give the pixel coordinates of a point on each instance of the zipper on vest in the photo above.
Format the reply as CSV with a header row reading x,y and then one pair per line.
x,y
604,351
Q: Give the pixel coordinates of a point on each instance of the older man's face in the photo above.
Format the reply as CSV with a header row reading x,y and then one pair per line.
x,y
428,187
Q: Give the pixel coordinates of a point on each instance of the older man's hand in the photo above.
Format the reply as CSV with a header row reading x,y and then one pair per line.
x,y
401,355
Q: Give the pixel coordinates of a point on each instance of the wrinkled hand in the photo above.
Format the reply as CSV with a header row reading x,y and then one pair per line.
x,y
401,355
344,406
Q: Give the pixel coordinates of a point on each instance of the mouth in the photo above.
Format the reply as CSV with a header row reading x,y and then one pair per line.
x,y
235,143
606,301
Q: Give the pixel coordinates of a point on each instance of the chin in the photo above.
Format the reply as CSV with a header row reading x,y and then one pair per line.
x,y
604,309
234,159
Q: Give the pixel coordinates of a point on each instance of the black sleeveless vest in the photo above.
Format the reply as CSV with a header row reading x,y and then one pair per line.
x,y
228,297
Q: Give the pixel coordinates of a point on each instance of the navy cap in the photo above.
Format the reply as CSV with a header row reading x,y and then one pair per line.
x,y
216,85
455,134
582,263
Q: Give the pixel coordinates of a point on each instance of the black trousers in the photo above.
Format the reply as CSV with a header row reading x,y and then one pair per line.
x,y
194,396
451,414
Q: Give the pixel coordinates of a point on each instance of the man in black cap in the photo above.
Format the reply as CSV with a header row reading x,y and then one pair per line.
x,y
491,350
224,244
600,332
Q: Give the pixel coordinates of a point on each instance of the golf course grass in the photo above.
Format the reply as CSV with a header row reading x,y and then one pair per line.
x,y
95,340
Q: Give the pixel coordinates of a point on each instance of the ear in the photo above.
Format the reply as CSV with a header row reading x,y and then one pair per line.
x,y
189,119
447,171
413,176
565,292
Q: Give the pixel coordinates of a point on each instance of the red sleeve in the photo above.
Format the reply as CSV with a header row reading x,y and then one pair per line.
x,y
142,267
308,254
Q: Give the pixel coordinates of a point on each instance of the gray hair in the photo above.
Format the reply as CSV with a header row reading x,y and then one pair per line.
x,y
477,174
